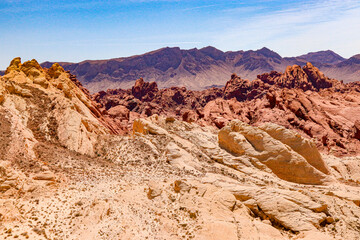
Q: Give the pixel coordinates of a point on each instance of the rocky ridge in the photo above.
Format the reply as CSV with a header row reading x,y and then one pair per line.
x,y
46,105
64,174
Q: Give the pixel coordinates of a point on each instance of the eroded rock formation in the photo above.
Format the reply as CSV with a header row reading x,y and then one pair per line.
x,y
300,98
45,105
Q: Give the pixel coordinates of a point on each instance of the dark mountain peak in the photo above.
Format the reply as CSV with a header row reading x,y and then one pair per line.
x,y
164,50
161,59
266,52
329,51
193,53
265,49
326,56
354,60
191,50
213,52
46,64
259,59
356,57
210,49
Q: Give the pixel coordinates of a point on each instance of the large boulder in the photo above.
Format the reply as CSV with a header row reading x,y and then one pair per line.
x,y
305,147
242,139
145,127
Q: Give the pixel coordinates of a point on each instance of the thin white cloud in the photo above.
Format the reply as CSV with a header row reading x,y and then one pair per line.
x,y
201,7
244,9
311,26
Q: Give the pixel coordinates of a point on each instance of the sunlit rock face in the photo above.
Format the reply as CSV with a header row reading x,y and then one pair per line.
x,y
50,107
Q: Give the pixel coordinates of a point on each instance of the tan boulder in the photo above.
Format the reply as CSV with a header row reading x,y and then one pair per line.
x,y
13,88
41,81
154,190
243,139
190,116
14,65
55,70
47,176
305,147
181,186
146,127
32,69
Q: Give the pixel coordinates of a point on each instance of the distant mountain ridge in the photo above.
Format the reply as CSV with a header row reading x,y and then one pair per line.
x,y
201,68
323,57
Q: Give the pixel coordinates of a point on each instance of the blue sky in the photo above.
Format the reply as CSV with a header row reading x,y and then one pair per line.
x,y
69,30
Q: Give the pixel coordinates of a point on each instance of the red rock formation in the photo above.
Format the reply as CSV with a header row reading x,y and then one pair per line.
x,y
306,78
144,90
300,98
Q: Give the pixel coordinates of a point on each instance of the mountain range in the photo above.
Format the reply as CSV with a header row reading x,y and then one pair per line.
x,y
203,68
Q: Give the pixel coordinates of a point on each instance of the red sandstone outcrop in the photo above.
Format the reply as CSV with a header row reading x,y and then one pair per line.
x,y
143,90
300,98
